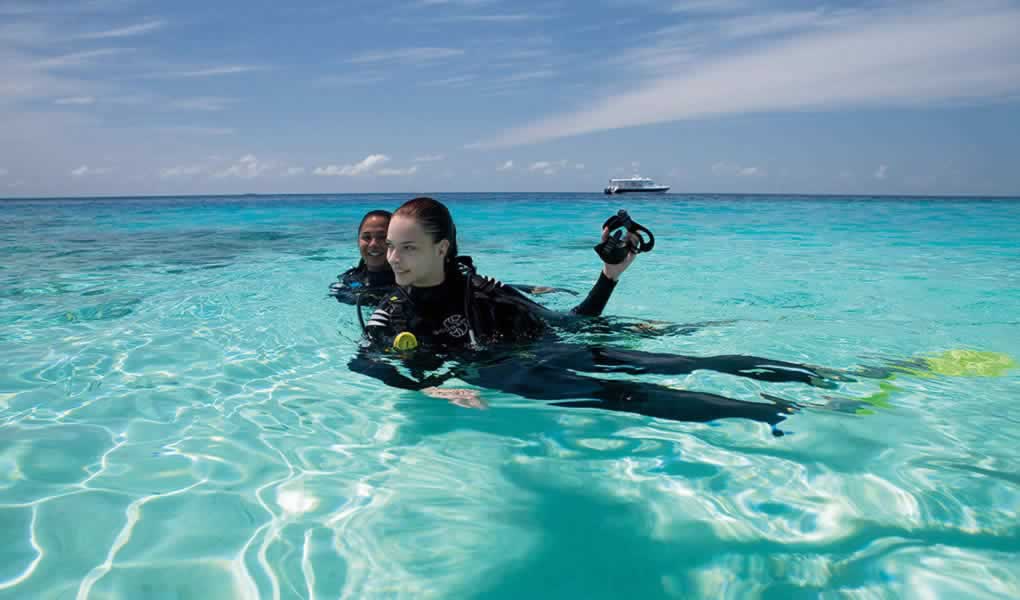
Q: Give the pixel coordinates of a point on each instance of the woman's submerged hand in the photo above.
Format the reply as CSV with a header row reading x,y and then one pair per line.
x,y
462,397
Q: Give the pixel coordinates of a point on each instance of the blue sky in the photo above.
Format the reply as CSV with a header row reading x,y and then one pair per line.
x,y
141,97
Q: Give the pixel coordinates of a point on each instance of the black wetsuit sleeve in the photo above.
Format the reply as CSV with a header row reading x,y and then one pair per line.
x,y
501,312
519,322
598,297
387,373
342,289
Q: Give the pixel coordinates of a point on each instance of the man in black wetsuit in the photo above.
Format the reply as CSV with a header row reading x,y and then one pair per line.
x,y
483,332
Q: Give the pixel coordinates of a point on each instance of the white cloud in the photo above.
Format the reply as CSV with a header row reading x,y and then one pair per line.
x,y
351,79
747,26
495,18
895,55
731,170
710,6
529,75
455,81
545,166
247,167
398,172
881,171
197,130
36,8
213,71
85,170
406,55
292,171
180,171
77,59
130,30
454,2
506,166
76,100
429,158
366,166
207,104
28,34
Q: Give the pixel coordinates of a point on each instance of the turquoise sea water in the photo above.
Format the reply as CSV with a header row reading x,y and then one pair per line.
x,y
177,419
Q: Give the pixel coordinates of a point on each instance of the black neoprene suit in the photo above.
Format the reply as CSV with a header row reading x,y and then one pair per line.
x,y
515,349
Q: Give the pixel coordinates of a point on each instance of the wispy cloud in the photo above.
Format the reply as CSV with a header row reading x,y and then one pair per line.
x,y
294,171
36,8
746,26
732,170
387,172
429,158
529,75
501,18
455,81
454,2
506,166
364,167
196,130
710,6
25,34
406,55
206,104
130,30
76,59
889,57
544,166
182,171
351,79
85,170
246,167
881,171
213,71
75,100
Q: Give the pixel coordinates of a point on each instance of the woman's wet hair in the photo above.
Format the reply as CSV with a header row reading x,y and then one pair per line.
x,y
375,213
435,219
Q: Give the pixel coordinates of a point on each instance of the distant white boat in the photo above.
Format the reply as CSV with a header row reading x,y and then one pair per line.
x,y
634,184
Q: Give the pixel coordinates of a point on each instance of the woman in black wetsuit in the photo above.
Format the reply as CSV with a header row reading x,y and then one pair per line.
x,y
493,336
372,278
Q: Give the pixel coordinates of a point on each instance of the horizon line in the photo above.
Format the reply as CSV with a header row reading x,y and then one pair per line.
x,y
600,194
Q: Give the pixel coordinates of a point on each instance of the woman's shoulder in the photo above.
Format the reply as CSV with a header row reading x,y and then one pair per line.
x,y
352,275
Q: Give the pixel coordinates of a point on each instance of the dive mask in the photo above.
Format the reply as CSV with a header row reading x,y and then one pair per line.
x,y
614,249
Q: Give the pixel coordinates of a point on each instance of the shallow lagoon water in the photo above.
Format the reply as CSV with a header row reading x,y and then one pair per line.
x,y
177,419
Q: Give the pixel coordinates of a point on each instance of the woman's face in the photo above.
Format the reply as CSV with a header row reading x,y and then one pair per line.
x,y
372,242
416,260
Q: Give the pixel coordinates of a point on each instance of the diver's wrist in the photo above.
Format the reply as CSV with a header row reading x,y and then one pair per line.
x,y
609,276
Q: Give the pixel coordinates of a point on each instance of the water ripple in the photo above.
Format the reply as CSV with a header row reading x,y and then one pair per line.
x,y
177,418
